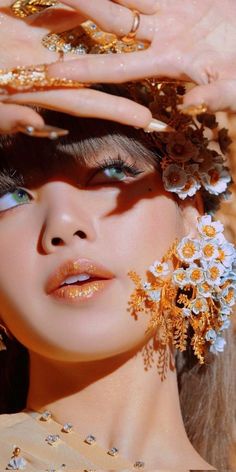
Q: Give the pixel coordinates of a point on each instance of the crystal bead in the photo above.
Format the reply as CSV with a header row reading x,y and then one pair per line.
x,y
66,47
80,50
16,463
52,47
113,451
90,439
93,26
52,439
46,415
67,428
139,465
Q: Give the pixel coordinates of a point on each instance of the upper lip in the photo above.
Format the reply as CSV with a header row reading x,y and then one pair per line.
x,y
75,267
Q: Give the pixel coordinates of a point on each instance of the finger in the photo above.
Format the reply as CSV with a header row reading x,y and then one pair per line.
x,y
217,96
110,16
88,103
12,116
117,68
143,6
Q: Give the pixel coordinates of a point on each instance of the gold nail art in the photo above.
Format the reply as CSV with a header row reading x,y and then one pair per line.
x,y
47,131
194,110
24,8
33,79
87,38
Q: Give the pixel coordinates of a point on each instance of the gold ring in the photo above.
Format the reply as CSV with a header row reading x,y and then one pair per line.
x,y
134,28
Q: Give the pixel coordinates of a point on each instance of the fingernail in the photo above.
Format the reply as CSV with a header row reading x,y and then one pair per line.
x,y
157,126
193,110
47,131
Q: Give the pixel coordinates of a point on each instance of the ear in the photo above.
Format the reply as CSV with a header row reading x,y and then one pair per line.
x,y
191,209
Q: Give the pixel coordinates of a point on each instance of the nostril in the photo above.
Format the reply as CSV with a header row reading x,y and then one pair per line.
x,y
81,234
57,241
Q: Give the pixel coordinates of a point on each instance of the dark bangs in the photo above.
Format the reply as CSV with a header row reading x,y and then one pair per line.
x,y
22,157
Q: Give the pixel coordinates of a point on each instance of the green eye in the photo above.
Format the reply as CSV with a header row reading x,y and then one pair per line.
x,y
115,173
16,197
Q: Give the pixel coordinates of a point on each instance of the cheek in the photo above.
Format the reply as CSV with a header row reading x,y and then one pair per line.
x,y
145,232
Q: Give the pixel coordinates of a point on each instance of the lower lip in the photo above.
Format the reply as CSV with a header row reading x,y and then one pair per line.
x,y
78,293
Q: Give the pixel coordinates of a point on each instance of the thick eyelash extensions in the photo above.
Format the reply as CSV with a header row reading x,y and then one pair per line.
x,y
121,164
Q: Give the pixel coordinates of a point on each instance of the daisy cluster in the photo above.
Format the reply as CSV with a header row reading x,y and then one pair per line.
x,y
188,159
204,281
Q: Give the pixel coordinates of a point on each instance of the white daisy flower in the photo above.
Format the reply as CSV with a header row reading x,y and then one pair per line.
x,y
195,274
225,325
190,188
209,229
158,269
155,295
188,250
211,335
209,250
214,271
174,178
226,254
216,179
228,295
204,290
180,277
218,345
199,305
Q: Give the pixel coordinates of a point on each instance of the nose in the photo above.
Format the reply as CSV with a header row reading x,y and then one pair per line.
x,y
68,217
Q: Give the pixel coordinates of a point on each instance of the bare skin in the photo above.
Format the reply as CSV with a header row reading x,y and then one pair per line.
x,y
86,362
188,40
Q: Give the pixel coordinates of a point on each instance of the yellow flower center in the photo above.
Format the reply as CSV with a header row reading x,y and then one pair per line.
x,y
158,268
214,176
214,271
205,286
209,231
221,255
208,250
173,177
180,277
198,304
229,295
189,249
196,274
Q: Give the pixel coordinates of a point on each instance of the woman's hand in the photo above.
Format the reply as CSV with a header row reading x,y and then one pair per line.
x,y
20,45
189,40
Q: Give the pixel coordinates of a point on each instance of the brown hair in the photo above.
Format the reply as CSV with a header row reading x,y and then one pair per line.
x,y
207,393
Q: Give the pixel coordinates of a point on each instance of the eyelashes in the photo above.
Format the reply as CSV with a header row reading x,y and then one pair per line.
x,y
121,164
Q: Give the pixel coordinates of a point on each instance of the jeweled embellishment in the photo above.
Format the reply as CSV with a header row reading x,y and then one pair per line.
x,y
90,439
46,416
67,428
16,463
113,451
52,439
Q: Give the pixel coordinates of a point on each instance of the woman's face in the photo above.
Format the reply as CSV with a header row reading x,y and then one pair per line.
x,y
100,220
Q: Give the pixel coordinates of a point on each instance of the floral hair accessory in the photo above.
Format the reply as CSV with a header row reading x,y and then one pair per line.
x,y
189,293
189,160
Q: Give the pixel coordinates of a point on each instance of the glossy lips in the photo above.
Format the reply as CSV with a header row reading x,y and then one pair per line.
x,y
92,278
